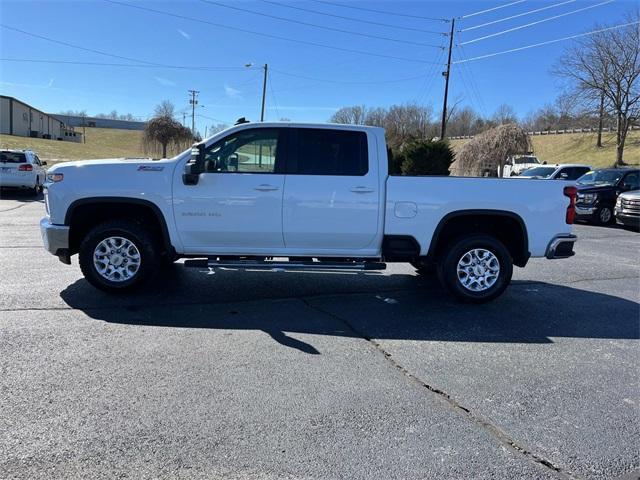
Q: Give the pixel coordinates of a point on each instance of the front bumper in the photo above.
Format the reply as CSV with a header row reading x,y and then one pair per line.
x,y
561,246
585,211
627,220
17,182
55,239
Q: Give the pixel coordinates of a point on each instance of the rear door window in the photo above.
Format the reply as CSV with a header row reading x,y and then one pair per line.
x,y
319,151
13,157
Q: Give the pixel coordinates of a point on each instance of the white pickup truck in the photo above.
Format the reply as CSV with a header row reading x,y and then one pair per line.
x,y
299,196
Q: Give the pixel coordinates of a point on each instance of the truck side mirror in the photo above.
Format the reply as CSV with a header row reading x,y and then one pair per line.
x,y
193,168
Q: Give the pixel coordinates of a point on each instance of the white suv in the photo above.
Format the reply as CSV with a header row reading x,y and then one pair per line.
x,y
22,169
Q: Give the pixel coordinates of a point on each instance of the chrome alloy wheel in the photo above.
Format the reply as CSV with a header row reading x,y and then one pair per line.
x,y
478,270
605,215
117,259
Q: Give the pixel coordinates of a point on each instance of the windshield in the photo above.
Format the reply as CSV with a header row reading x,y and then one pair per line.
x,y
601,177
543,172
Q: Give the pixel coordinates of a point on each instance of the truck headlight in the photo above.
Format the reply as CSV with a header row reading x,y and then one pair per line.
x,y
619,202
55,177
587,197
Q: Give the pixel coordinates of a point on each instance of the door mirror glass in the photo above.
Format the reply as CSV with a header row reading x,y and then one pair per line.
x,y
193,168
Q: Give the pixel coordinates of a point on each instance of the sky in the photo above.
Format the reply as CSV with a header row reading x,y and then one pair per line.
x,y
376,59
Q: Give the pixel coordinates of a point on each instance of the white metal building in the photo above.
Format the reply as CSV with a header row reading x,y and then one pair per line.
x,y
23,120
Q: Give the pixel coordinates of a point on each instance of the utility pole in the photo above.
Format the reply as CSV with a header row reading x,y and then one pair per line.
x,y
193,101
184,116
84,130
264,91
443,129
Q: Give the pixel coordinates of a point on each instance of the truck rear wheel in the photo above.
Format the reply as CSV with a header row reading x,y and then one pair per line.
x,y
476,269
118,256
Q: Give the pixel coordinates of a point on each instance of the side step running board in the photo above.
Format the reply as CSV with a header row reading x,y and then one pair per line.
x,y
284,265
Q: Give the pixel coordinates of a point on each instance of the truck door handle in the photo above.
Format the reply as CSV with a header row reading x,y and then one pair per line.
x,y
362,189
266,187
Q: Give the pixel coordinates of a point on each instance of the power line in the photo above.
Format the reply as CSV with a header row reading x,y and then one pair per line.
x,y
214,119
474,85
267,35
353,19
129,65
275,101
517,16
340,82
536,22
384,12
492,9
469,84
71,45
546,43
433,73
323,27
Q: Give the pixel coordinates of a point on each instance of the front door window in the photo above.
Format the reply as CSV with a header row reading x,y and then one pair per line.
x,y
248,151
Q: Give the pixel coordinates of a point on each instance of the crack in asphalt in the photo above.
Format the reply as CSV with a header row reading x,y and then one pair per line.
x,y
502,437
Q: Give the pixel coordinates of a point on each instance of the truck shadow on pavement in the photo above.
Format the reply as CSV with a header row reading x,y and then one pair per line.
x,y
397,306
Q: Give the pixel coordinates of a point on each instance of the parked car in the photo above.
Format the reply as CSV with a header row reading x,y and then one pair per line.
x,y
567,171
319,195
598,191
22,169
515,165
628,209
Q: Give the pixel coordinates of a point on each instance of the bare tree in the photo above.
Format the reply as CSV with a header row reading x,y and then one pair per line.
x,y
408,122
487,152
354,115
607,65
462,122
165,109
505,114
376,117
165,131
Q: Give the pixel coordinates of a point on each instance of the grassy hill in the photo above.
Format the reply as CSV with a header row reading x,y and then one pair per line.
x,y
580,148
100,143
108,143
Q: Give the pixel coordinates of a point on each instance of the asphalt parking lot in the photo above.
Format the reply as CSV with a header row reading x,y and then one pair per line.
x,y
318,376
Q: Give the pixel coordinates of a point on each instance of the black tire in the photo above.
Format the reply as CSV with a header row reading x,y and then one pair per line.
x,y
35,191
136,234
604,216
448,268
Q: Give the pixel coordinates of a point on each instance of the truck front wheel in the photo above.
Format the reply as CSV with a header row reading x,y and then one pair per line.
x,y
476,269
118,256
